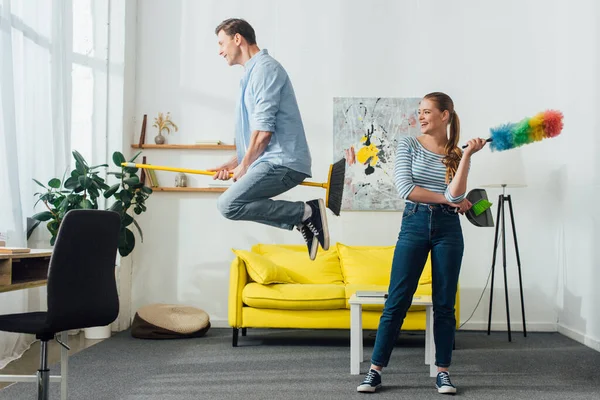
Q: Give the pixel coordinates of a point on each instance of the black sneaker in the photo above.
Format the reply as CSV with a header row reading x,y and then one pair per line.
x,y
371,383
309,238
317,222
443,383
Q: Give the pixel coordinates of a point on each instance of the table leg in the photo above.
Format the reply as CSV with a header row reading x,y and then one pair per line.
x,y
356,338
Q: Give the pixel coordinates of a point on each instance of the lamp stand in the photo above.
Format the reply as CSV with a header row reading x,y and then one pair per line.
x,y
502,200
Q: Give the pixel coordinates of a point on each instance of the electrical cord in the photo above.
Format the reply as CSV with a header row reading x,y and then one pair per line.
x,y
483,291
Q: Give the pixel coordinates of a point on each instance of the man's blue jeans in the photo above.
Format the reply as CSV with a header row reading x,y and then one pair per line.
x,y
249,199
425,228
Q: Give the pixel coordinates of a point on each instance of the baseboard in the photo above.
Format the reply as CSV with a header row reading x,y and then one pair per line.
x,y
219,323
474,326
514,326
580,337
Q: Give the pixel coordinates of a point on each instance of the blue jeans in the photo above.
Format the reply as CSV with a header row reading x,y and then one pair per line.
x,y
425,228
249,199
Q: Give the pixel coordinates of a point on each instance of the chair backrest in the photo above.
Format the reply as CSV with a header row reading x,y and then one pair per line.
x,y
82,290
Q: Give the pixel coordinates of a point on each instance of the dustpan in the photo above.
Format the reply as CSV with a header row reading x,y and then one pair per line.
x,y
484,219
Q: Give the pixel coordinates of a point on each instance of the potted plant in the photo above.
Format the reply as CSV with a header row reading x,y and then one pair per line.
x,y
83,188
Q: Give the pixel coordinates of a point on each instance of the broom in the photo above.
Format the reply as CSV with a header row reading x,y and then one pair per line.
x,y
334,186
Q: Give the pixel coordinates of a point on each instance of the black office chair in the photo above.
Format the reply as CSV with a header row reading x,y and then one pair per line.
x,y
82,291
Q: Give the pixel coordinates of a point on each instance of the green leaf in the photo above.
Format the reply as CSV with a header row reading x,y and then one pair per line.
x,y
125,196
72,182
126,242
79,159
130,170
139,230
82,169
52,240
54,183
136,156
146,190
42,216
113,189
133,180
93,192
85,182
116,174
126,220
98,166
118,158
38,182
86,204
117,206
35,225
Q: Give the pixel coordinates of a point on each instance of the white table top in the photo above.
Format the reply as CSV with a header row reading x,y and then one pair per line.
x,y
417,300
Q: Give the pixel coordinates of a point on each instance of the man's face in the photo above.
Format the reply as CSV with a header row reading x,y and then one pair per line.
x,y
229,47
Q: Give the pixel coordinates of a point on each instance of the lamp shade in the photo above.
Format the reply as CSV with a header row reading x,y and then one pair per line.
x,y
504,169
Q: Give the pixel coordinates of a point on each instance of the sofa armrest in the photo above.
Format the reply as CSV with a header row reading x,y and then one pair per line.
x,y
238,278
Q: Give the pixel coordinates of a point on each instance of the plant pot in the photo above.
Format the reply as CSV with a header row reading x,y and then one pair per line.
x,y
97,332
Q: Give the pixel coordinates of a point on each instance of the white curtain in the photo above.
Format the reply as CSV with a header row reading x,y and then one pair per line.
x,y
53,74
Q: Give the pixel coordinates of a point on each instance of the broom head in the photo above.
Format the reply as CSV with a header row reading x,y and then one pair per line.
x,y
335,186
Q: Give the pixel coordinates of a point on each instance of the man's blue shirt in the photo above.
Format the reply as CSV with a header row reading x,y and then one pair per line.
x,y
267,103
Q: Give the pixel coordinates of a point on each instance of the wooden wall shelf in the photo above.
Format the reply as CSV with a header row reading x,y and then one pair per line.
x,y
189,189
185,146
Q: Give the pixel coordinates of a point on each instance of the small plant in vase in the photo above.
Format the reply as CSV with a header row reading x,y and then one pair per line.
x,y
163,123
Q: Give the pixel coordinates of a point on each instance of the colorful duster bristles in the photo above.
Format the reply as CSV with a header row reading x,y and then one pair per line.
x,y
546,124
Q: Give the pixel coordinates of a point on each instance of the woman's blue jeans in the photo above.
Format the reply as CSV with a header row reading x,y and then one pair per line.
x,y
425,228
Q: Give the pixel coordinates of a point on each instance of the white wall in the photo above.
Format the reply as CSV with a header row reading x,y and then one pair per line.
x,y
499,61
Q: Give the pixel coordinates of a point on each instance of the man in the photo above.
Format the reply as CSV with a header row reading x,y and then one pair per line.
x,y
272,151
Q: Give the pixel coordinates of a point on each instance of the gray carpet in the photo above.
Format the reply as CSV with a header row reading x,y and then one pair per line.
x,y
309,364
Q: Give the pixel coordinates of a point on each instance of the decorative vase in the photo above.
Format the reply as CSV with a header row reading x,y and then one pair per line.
x,y
181,180
159,139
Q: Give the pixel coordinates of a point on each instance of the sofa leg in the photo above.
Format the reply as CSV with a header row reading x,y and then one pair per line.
x,y
243,331
234,341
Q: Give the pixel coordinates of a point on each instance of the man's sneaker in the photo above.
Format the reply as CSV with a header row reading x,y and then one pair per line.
x,y
309,238
371,383
317,222
443,383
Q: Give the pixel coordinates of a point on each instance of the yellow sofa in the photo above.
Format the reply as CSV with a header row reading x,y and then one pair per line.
x,y
277,286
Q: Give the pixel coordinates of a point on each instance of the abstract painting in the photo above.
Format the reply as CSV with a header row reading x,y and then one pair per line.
x,y
367,130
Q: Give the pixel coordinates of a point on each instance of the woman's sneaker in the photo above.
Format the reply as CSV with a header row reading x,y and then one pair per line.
x,y
443,383
371,383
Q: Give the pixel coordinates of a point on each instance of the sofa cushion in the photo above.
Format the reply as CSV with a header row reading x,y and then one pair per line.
x,y
372,265
261,269
294,258
295,296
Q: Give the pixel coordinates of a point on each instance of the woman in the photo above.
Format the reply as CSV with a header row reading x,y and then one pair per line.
x,y
431,175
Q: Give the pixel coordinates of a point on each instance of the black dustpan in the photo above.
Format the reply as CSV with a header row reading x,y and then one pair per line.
x,y
484,219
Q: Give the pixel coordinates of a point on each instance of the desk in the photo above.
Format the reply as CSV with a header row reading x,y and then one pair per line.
x,y
25,271
356,331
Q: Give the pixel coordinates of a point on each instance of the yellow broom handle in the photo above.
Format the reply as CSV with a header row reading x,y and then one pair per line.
x,y
172,169
197,172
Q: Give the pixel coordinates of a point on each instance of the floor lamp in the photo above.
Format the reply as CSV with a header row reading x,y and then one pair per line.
x,y
503,200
